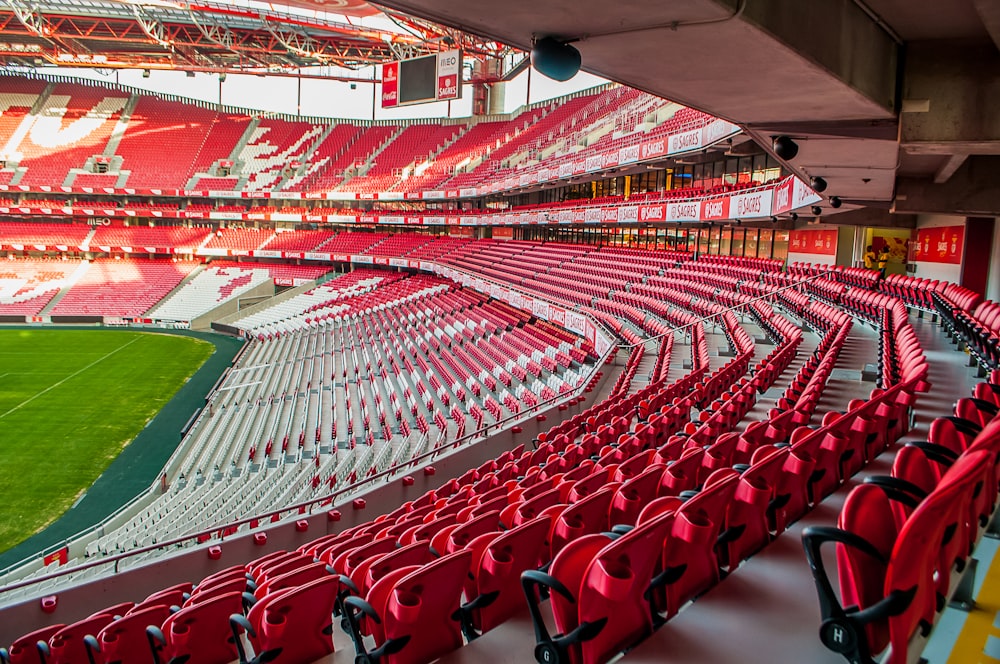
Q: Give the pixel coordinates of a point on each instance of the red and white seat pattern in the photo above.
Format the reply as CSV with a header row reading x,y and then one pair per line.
x,y
27,285
121,288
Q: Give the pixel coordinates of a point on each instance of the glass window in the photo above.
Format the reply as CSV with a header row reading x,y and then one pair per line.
x,y
715,233
780,250
739,235
764,243
750,243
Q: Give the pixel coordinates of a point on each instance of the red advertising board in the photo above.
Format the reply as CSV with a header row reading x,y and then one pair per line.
x,y
783,196
653,212
715,208
942,244
813,241
390,84
651,149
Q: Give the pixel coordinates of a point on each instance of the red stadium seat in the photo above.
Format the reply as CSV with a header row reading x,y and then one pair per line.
x,y
598,588
414,610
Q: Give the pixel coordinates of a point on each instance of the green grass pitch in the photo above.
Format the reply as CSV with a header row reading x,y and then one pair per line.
x,y
70,400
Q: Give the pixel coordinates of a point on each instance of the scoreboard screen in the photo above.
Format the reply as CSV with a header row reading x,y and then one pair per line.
x,y
418,80
421,80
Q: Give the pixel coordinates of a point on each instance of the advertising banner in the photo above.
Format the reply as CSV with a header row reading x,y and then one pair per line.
x,y
688,140
813,241
783,196
753,204
715,208
683,211
449,71
390,85
942,244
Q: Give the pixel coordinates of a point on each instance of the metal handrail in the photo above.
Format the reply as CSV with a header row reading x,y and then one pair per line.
x,y
725,311
412,463
370,480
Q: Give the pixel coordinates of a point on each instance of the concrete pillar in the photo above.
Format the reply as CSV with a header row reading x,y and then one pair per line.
x,y
993,279
497,97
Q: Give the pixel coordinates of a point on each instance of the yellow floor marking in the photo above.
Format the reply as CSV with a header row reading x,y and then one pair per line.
x,y
980,624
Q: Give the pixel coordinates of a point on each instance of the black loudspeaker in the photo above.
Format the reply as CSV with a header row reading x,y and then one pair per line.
x,y
557,60
785,147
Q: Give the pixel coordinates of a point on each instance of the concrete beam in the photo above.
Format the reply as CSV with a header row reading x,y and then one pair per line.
x,y
878,130
989,12
837,36
870,216
948,168
958,83
970,191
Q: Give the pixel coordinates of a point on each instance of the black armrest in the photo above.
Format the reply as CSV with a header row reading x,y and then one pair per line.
x,y
93,648
157,641
813,538
354,608
937,453
665,578
985,406
239,622
548,649
898,489
465,613
347,588
967,427
842,630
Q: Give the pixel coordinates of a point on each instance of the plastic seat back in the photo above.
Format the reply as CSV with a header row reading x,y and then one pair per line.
x,y
692,543
465,532
682,474
291,579
869,513
917,554
66,646
499,568
633,495
420,608
200,634
615,587
124,640
295,624
173,596
584,517
24,649
748,513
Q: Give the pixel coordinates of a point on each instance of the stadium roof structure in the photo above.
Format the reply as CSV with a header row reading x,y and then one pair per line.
x,y
219,36
892,102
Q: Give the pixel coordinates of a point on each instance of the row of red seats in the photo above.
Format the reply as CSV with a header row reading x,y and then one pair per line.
x,y
914,291
902,540
769,469
620,579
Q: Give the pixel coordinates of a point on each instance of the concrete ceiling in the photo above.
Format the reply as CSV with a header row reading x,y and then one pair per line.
x,y
870,89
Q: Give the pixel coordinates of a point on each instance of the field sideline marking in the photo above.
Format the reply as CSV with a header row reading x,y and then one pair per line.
x,y
72,375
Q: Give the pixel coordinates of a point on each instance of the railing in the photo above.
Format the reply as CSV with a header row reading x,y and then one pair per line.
x,y
305,507
734,309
